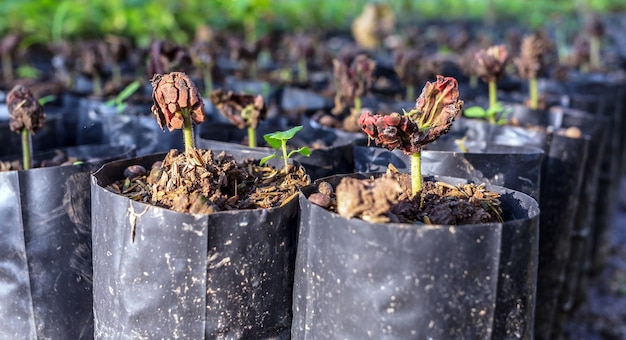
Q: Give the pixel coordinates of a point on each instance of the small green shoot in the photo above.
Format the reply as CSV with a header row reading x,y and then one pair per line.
x,y
278,141
495,114
47,99
460,143
120,101
29,72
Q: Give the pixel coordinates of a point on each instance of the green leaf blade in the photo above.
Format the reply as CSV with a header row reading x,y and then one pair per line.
x,y
267,158
275,139
475,112
304,151
129,90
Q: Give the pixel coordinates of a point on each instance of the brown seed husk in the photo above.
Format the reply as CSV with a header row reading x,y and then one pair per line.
x,y
220,184
386,199
25,112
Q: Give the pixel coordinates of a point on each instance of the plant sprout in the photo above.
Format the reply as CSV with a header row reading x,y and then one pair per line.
x,y
301,47
26,71
412,67
177,104
202,55
496,114
120,100
351,83
243,110
435,110
92,62
47,99
467,63
8,45
490,66
245,52
373,24
595,31
406,64
118,48
166,57
278,141
26,118
530,64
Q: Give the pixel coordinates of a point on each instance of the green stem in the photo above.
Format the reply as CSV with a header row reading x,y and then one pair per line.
x,y
493,94
187,130
357,106
461,144
534,93
251,137
116,75
97,85
493,99
283,146
416,173
26,149
410,92
302,70
594,52
208,81
7,67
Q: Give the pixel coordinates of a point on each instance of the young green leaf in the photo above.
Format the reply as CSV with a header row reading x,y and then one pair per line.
x,y
46,99
475,112
304,151
275,139
26,71
267,158
278,140
496,114
128,91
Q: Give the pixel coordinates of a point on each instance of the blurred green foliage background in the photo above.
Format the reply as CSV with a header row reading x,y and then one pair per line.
x,y
51,20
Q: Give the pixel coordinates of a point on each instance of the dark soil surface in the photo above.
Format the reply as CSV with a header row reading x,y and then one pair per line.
x,y
387,199
207,182
603,314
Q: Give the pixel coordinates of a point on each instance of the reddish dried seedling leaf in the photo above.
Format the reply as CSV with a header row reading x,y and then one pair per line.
x,y
25,112
491,62
352,81
172,93
243,110
435,110
532,55
392,131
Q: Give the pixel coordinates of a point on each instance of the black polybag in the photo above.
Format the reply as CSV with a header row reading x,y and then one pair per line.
x,y
561,180
45,248
293,99
579,260
601,95
134,125
332,155
163,274
562,171
360,280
